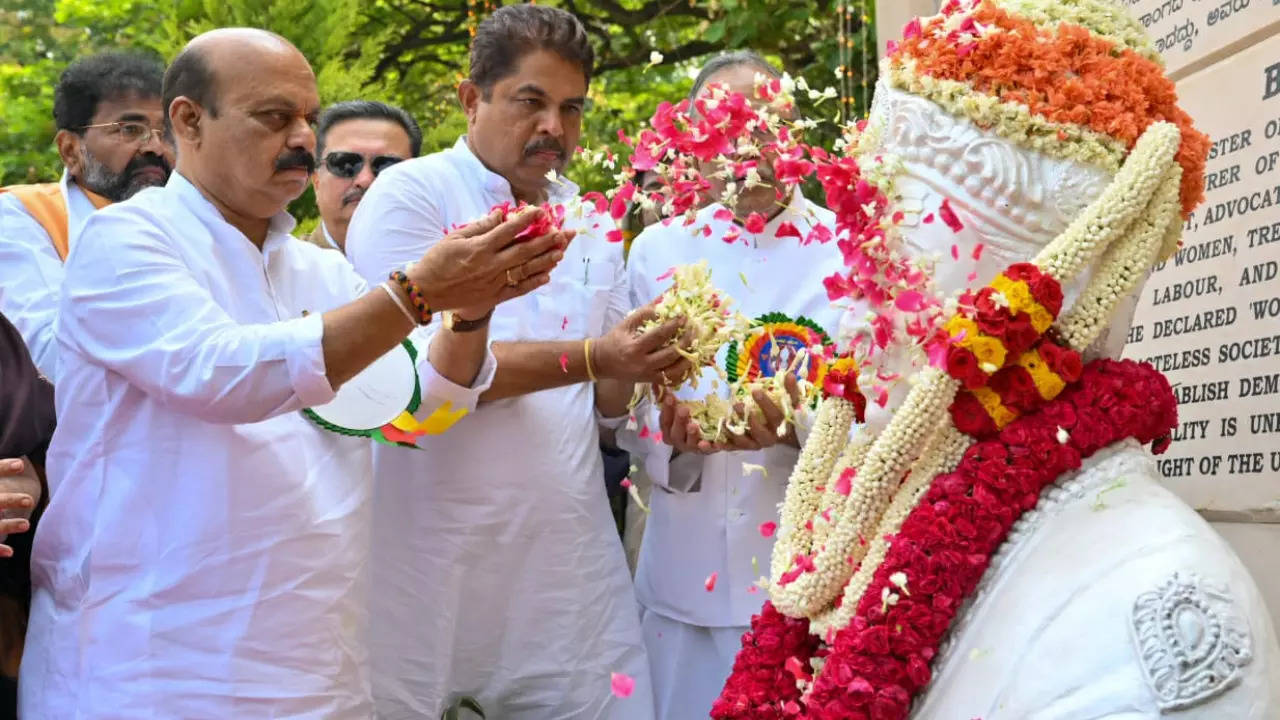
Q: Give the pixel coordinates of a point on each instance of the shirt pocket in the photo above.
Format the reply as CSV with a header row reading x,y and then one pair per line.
x,y
578,302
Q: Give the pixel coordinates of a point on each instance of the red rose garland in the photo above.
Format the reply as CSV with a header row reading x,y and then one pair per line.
x,y
873,668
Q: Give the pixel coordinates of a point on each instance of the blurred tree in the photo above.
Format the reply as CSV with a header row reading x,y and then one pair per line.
x,y
413,53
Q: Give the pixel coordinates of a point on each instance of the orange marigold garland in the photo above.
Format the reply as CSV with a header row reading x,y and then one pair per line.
x,y
1067,75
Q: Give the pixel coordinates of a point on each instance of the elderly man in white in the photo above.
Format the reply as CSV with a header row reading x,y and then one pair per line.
x,y
498,572
708,504
204,549
112,144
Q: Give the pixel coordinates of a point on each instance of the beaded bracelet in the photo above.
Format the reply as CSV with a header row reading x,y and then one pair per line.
x,y
416,297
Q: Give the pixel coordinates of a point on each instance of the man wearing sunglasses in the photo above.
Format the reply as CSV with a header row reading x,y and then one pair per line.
x,y
112,144
355,141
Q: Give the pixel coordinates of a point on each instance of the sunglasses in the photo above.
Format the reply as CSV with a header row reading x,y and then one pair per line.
x,y
348,164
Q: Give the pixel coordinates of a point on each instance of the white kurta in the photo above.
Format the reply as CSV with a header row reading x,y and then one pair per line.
x,y
707,510
498,571
31,271
204,547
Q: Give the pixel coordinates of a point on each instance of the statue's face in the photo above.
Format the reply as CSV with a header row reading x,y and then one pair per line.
x,y
1003,203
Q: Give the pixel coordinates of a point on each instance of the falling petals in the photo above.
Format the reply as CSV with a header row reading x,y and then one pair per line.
x,y
977,251
614,236
564,323
564,362
910,301
948,216
767,529
710,583
845,484
723,215
755,223
622,684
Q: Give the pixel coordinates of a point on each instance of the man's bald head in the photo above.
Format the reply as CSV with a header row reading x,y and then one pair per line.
x,y
191,73
243,104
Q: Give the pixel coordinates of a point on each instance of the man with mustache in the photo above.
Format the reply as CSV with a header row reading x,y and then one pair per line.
x,y
497,569
112,144
355,140
204,549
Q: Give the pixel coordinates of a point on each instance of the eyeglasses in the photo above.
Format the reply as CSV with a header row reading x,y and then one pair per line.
x,y
133,132
348,164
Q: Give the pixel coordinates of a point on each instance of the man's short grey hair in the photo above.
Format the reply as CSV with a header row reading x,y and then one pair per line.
x,y
724,61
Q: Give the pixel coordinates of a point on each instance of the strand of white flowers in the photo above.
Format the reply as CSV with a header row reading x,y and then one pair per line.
x,y
925,409
852,458
1104,17
943,458
1115,278
1123,266
1012,121
830,430
906,436
1120,204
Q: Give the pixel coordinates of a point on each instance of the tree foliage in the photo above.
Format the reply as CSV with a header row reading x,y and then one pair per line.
x,y
413,53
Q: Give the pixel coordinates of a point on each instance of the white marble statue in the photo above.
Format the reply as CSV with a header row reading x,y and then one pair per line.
x,y
1026,124
1113,600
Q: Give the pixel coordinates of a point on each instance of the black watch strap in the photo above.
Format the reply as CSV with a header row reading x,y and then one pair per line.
x,y
455,323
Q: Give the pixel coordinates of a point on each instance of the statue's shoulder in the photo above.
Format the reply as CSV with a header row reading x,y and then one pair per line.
x,y
1112,597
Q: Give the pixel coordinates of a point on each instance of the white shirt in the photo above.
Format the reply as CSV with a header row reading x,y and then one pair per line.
x,y
329,238
202,554
498,571
31,271
707,510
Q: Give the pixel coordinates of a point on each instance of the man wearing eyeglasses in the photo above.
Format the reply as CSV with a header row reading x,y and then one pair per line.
x,y
112,144
355,141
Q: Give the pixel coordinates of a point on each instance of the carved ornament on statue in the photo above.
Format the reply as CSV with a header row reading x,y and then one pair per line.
x,y
1191,641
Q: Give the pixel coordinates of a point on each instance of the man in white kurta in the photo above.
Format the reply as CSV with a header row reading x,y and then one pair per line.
x,y
105,107
204,551
707,509
497,568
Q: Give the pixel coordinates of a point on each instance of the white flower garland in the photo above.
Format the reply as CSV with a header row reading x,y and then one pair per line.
x,y
921,432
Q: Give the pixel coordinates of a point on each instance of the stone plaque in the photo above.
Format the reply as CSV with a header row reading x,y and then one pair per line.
x,y
1210,317
1186,31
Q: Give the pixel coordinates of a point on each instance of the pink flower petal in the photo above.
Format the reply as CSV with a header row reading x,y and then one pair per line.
x,y
977,251
752,590
723,215
710,584
614,236
622,684
670,271
564,323
767,529
787,229
626,483
955,251
644,432
909,301
657,436
755,223
731,236
928,219
948,216
845,484
564,362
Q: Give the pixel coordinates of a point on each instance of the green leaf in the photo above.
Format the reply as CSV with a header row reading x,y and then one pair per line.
x,y
715,32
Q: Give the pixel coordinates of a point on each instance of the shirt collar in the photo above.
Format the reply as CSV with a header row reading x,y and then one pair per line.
x,y
329,238
281,225
795,212
495,184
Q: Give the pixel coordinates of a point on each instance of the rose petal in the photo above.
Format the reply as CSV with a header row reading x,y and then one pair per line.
x,y
622,684
564,362
948,216
767,529
710,583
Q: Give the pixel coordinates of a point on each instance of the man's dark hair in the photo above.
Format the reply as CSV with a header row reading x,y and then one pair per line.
x,y
189,75
367,110
727,60
87,82
513,31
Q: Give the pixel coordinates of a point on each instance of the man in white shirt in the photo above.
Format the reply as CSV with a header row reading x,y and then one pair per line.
x,y
202,554
498,572
112,144
703,546
355,140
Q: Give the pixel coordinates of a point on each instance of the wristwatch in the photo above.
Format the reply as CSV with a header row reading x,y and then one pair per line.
x,y
455,322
